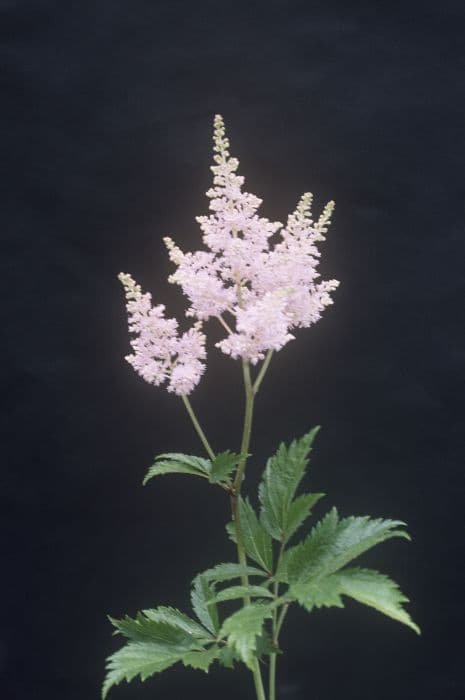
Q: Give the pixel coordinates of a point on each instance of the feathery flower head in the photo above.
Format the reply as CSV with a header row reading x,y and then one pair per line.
x,y
257,277
261,284
160,353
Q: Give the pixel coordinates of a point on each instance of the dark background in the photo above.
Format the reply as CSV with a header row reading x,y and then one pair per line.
x,y
106,128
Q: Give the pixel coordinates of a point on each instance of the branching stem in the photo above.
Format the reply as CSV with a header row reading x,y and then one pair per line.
x,y
262,371
197,427
251,390
276,626
246,433
224,324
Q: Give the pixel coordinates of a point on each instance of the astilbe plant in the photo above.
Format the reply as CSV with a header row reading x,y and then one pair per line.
x,y
259,280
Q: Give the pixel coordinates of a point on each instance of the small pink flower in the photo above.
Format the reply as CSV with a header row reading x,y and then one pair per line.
x,y
262,325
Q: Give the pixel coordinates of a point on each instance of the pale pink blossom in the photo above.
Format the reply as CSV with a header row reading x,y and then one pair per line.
x,y
268,286
257,277
262,325
160,353
198,275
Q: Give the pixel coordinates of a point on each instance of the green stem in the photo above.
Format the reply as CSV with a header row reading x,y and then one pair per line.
x,y
199,430
248,416
257,677
246,433
281,617
262,372
244,450
275,633
272,669
272,666
272,677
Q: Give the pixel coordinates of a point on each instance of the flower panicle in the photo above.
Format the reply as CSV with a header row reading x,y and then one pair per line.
x,y
262,275
160,353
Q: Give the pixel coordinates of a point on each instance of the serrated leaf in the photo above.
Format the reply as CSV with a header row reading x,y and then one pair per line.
x,y
177,463
377,591
176,618
229,571
243,627
201,660
159,638
282,476
222,466
139,659
227,657
158,631
200,463
257,541
318,593
155,644
201,595
333,543
298,512
364,585
234,592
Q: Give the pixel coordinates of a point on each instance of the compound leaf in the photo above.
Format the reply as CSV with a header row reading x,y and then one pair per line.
x,y
333,543
364,585
201,660
157,640
202,593
282,476
377,591
318,593
228,571
298,512
234,592
243,627
257,541
227,656
177,463
222,466
138,659
176,618
158,631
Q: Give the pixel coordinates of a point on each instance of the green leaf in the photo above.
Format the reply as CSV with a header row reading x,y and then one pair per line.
x,y
201,595
222,466
243,627
176,463
158,631
176,618
234,592
199,463
298,512
378,591
257,541
201,659
333,543
158,639
364,585
282,476
318,593
227,657
139,659
228,571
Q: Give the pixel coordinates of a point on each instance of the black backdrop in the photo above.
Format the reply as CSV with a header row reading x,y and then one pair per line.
x,y
107,117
